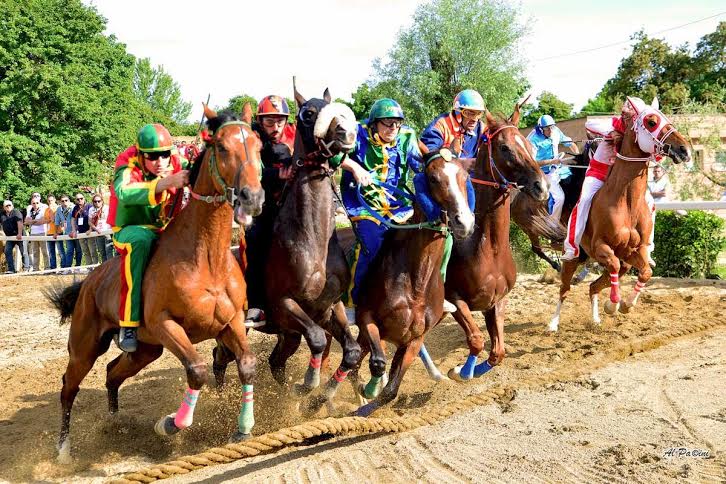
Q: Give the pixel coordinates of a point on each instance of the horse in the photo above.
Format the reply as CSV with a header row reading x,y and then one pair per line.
x,y
193,289
533,218
404,292
481,270
617,230
307,272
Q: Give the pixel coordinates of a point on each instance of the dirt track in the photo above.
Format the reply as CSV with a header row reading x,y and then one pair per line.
x,y
634,415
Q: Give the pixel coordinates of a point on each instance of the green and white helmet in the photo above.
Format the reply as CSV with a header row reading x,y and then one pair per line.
x,y
385,108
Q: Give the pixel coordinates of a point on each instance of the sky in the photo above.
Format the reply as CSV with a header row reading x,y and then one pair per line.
x,y
227,47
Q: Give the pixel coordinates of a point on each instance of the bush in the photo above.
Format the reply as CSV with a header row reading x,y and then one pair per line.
x,y
687,246
526,260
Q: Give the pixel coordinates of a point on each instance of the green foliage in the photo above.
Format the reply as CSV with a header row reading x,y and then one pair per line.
x,y
547,103
67,99
526,260
236,103
452,45
600,104
687,246
158,89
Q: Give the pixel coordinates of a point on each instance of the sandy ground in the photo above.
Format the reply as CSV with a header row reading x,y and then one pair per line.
x,y
615,425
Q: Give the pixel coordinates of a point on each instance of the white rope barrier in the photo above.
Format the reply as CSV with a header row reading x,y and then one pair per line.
x,y
48,238
60,270
691,205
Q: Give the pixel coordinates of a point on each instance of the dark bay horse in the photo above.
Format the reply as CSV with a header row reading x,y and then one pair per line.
x,y
193,289
481,270
307,271
620,222
403,297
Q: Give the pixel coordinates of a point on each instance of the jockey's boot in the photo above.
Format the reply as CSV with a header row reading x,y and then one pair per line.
x,y
255,318
449,307
127,340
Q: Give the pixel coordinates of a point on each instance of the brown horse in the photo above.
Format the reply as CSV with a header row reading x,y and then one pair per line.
x,y
481,270
307,271
620,222
404,295
193,288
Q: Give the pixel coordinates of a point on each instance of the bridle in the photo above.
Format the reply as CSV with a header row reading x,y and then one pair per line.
x,y
224,192
661,148
505,184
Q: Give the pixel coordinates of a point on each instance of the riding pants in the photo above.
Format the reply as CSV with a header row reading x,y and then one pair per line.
x,y
133,244
553,177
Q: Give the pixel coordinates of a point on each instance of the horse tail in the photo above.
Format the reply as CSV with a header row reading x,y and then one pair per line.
x,y
546,226
64,298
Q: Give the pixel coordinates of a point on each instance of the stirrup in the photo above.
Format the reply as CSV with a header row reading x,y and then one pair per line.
x,y
256,319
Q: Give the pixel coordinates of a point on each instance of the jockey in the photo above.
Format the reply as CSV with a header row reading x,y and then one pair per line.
x,y
462,124
386,150
546,138
596,175
146,178
278,138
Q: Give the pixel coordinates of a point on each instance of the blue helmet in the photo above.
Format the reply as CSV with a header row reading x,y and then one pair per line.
x,y
469,99
545,120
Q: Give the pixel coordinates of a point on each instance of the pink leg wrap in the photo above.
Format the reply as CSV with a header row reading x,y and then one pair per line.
x,y
614,288
340,375
316,362
639,286
185,414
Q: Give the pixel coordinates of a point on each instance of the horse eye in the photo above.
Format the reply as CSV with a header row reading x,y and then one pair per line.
x,y
652,123
505,148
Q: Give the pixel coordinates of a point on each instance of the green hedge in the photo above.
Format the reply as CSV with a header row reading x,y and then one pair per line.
x,y
687,245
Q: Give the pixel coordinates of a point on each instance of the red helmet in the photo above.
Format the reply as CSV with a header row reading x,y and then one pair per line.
x,y
273,105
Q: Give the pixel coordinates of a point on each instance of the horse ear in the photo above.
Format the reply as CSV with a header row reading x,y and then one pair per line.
x,y
247,113
209,113
299,99
514,118
655,104
326,96
491,120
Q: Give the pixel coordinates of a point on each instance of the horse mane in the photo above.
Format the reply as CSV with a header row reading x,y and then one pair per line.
x,y
196,166
213,125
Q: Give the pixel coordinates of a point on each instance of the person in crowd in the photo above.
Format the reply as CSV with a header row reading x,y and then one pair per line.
x,y
35,220
81,227
146,177
659,186
53,246
546,138
64,226
12,223
98,215
278,137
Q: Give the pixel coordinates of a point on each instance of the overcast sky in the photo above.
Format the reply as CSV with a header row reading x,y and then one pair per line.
x,y
228,47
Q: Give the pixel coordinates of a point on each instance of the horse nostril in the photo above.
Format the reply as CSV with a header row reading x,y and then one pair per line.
x,y
245,194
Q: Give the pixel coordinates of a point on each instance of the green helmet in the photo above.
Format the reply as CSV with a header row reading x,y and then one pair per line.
x,y
153,137
385,108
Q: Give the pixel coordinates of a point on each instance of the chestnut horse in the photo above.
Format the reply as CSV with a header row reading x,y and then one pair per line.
x,y
307,271
481,271
620,222
193,288
404,294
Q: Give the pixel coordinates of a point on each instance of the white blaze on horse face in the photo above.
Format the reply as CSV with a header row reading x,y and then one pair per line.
x,y
242,135
463,214
346,120
520,141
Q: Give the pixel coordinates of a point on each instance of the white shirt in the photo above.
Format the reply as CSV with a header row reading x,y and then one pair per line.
x,y
38,229
101,224
659,186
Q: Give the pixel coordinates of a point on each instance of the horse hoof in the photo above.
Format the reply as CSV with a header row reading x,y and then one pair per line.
x,y
455,374
439,377
554,325
300,390
611,307
64,453
366,410
165,426
625,308
238,437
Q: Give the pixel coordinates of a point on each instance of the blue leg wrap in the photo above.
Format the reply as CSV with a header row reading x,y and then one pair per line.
x,y
482,368
467,371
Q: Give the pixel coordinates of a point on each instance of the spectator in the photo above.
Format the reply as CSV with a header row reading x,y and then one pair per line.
x,y
64,225
52,230
81,226
35,220
12,224
660,185
97,215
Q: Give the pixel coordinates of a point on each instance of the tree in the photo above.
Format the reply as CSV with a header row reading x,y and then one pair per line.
x,y
236,103
709,82
67,103
159,90
452,45
547,103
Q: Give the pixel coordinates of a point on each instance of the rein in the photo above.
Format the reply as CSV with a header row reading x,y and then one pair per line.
x,y
506,185
387,186
228,193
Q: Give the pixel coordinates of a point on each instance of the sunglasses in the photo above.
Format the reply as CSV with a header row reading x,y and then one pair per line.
x,y
157,154
391,123
79,199
270,122
471,114
97,201
65,200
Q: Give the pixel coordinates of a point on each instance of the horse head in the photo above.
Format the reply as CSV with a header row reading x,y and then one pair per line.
x,y
654,132
510,157
324,127
447,184
234,162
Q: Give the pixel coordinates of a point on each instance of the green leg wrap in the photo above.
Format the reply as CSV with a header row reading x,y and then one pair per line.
x,y
246,419
371,389
447,254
